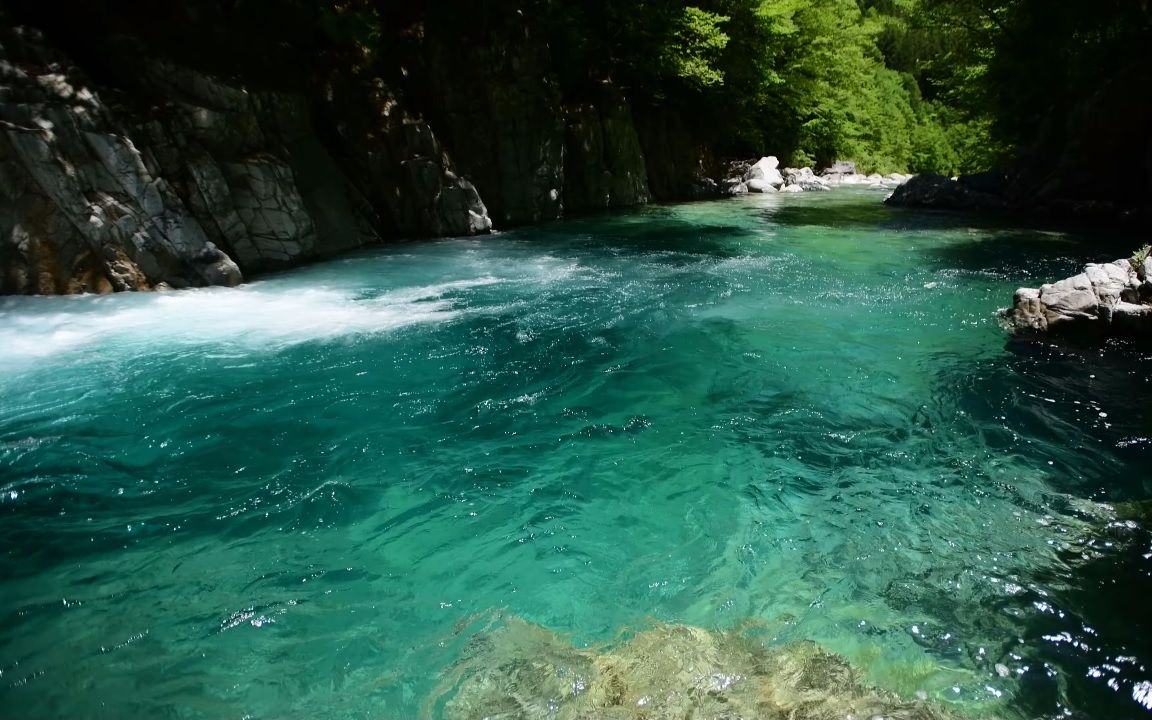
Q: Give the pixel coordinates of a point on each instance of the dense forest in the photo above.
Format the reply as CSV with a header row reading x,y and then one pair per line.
x,y
943,86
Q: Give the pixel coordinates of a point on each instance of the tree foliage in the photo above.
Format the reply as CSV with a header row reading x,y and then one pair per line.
x,y
923,85
810,80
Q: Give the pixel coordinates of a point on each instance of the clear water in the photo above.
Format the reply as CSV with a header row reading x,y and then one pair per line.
x,y
299,498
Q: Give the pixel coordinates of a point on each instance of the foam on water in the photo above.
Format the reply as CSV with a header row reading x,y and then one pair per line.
x,y
262,314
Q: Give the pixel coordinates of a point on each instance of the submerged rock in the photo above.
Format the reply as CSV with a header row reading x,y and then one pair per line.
x,y
522,671
1104,300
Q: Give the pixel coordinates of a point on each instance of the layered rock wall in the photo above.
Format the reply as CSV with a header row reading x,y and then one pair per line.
x,y
188,182
82,208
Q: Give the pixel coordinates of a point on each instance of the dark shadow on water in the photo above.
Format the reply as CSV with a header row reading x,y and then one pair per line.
x,y
1046,255
1089,399
1106,592
998,243
656,230
1085,632
869,210
862,212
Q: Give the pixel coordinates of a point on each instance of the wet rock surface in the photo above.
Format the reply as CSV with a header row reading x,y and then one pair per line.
x,y
521,671
1109,299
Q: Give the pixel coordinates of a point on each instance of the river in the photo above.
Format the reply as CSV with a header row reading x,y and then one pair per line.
x,y
307,496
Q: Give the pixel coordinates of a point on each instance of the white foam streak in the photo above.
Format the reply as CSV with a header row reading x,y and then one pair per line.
x,y
260,315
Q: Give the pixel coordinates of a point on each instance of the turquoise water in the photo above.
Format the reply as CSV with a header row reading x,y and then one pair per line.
x,y
301,497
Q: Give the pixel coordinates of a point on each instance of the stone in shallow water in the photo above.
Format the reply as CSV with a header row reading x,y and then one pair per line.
x,y
1105,299
520,671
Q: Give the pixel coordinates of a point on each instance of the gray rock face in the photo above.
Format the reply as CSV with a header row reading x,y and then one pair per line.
x,y
603,161
210,183
764,173
765,176
81,209
760,185
840,167
1104,300
505,125
734,186
805,179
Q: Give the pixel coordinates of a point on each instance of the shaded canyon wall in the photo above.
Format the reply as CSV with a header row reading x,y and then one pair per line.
x,y
153,173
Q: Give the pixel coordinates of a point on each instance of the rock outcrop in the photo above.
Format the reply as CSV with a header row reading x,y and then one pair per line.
x,y
840,167
1110,299
678,167
158,172
500,113
82,211
764,175
844,172
603,161
203,183
805,179
968,192
1086,163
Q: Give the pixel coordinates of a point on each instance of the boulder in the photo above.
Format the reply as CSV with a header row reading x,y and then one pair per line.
x,y
935,191
1104,300
737,169
791,189
993,182
849,179
840,167
805,179
703,187
766,169
760,185
733,186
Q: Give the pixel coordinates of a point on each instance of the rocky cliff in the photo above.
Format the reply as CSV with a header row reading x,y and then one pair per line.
x,y
185,180
132,168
